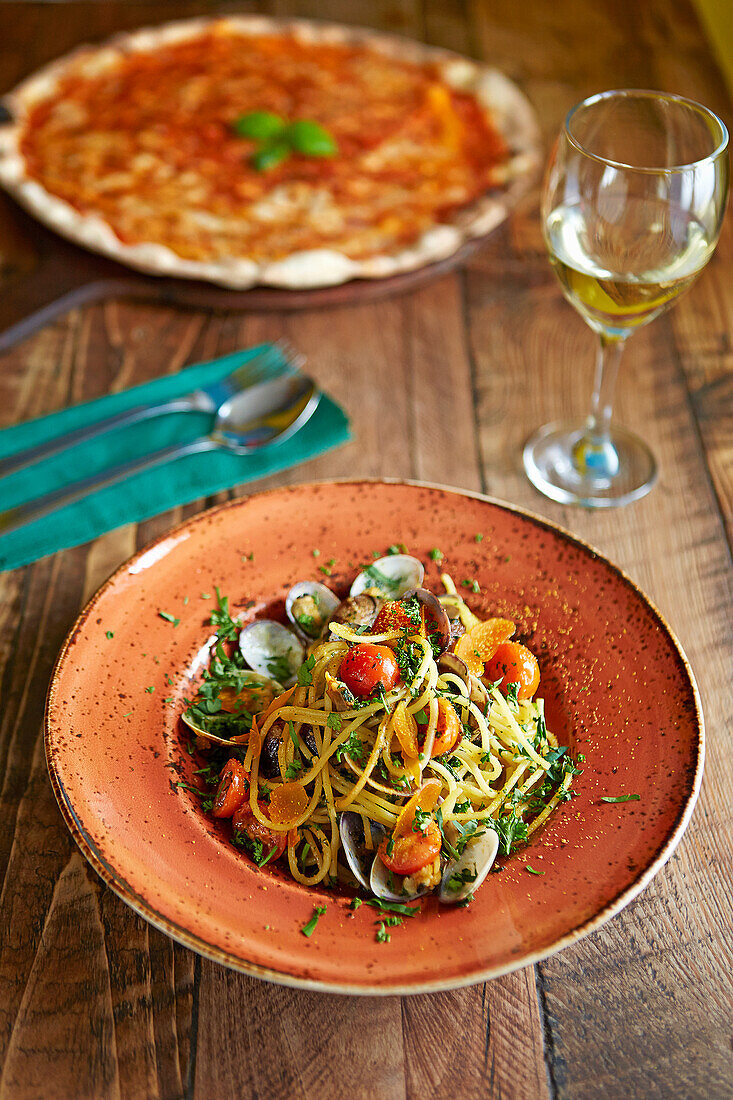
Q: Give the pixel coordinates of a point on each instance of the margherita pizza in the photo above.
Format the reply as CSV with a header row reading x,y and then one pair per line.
x,y
244,150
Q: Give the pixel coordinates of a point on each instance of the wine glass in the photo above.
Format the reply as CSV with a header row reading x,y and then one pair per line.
x,y
632,206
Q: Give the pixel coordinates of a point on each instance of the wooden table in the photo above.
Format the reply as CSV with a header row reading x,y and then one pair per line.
x,y
442,384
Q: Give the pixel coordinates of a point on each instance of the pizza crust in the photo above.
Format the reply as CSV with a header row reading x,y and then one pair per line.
x,y
508,110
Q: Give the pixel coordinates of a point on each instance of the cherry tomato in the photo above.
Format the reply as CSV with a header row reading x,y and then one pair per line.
x,y
367,667
411,851
392,616
514,664
232,790
244,821
447,729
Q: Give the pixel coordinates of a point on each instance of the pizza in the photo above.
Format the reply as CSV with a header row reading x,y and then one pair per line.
x,y
244,150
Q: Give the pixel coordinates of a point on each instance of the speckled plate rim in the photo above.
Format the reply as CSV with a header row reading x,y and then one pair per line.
x,y
146,909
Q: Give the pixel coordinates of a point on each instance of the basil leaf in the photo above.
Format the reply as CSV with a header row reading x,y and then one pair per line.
x,y
259,125
311,139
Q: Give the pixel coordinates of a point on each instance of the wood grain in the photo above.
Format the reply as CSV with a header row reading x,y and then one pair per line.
x,y
443,383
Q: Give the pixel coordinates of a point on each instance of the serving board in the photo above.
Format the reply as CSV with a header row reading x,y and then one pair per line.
x,y
42,276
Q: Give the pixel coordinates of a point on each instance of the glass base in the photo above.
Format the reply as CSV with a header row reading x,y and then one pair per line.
x,y
561,464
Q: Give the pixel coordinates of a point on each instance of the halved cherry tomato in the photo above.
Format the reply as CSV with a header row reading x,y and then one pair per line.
x,y
514,664
393,616
447,729
232,790
244,821
411,852
367,667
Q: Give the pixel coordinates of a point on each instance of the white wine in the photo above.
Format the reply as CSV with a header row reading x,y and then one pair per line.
x,y
620,272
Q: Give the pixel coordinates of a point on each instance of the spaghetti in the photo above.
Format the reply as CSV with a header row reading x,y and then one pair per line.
x,y
409,750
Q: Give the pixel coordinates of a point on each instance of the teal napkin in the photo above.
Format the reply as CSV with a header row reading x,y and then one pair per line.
x,y
148,493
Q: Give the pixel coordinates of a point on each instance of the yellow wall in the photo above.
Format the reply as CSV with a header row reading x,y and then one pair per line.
x,y
716,17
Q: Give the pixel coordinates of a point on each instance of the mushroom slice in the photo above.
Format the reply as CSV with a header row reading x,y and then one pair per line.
x,y
464,875
357,611
353,842
392,577
385,884
272,650
308,605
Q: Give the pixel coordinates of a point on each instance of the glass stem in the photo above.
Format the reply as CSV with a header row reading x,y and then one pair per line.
x,y
594,454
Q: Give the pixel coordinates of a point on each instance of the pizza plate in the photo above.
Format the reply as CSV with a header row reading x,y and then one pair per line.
x,y
618,691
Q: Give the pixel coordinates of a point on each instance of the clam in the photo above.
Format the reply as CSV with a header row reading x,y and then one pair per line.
x,y
335,692
474,863
309,605
272,649
269,755
357,611
438,623
477,693
456,623
358,856
392,577
385,884
204,733
256,692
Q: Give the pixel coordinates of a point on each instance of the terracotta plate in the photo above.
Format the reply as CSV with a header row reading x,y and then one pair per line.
x,y
617,686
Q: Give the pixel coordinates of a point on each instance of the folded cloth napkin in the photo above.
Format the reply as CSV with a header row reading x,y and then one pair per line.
x,y
153,491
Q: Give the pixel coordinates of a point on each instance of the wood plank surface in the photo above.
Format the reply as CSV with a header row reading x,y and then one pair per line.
x,y
442,384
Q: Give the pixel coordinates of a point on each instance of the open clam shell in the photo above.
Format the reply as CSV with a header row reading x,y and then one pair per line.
x,y
392,577
272,649
357,610
358,856
384,884
309,605
205,733
474,865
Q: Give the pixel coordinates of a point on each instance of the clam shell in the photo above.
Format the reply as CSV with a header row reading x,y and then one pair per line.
x,y
205,733
404,572
358,856
477,857
357,611
310,600
435,613
273,650
378,884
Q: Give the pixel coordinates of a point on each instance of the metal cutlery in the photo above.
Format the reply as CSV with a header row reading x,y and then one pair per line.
x,y
209,399
258,416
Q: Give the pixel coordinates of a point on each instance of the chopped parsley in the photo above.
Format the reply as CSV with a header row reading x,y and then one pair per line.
x,y
168,617
389,585
305,678
436,555
461,878
621,798
394,907
478,538
150,689
109,634
511,830
355,903
383,935
309,928
532,870
279,667
334,721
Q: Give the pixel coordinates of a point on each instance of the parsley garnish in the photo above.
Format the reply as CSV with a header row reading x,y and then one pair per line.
x,y
389,585
462,878
511,693
168,617
279,668
334,721
394,907
621,798
512,830
305,679
383,935
478,538
532,870
355,903
109,634
309,928
150,689
436,555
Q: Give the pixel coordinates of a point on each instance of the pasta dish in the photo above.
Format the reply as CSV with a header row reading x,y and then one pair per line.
x,y
391,742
